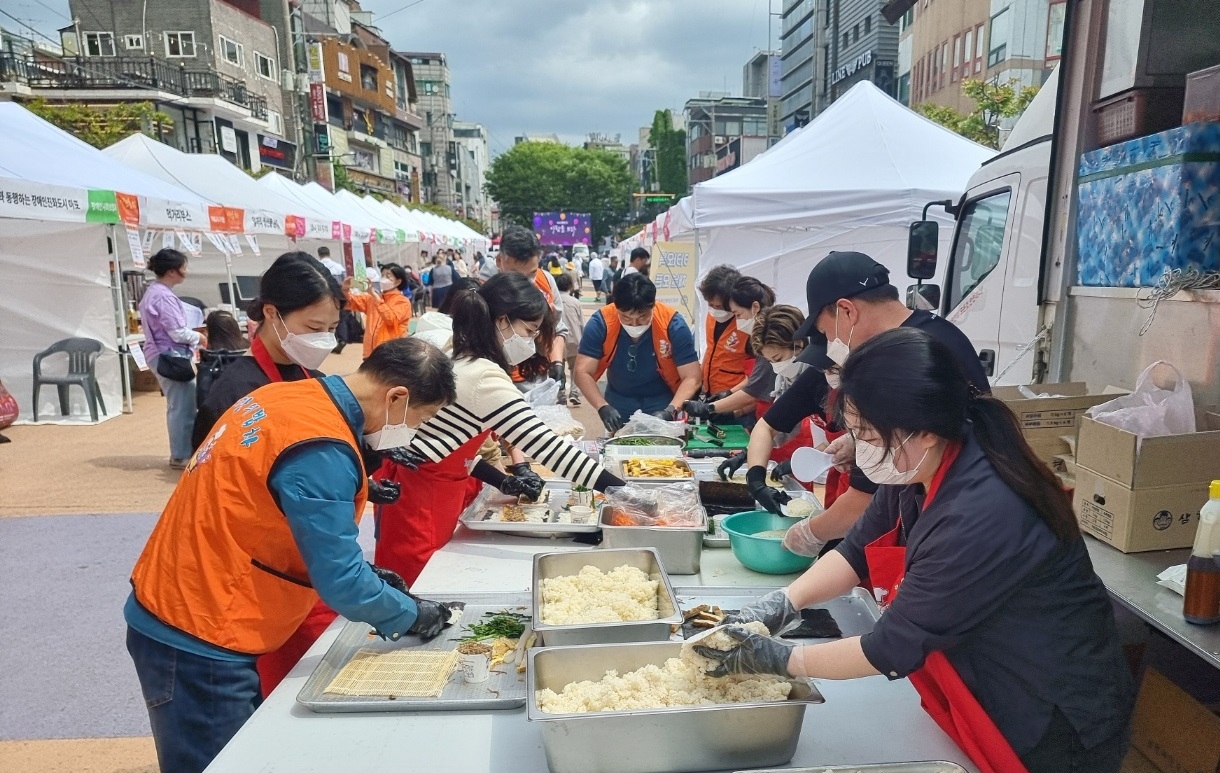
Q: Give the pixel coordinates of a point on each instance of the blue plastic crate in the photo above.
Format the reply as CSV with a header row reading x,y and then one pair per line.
x,y
1148,205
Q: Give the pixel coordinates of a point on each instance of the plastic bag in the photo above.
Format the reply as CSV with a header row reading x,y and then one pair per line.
x,y
641,423
545,394
560,421
672,505
1156,407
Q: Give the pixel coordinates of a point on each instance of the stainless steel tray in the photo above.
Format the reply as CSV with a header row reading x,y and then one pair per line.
x,y
856,612
691,738
886,767
504,689
717,537
679,547
489,500
618,467
547,565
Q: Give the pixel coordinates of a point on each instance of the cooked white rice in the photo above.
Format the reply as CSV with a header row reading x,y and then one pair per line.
x,y
624,593
717,641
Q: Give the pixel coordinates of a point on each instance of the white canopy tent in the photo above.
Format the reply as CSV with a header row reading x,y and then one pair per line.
x,y
59,201
853,179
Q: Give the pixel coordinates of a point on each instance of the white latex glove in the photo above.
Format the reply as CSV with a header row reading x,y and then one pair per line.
x,y
843,449
800,540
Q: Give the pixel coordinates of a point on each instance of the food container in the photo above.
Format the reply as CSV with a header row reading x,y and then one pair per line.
x,y
762,554
680,463
568,563
581,514
694,738
679,547
474,668
641,445
480,515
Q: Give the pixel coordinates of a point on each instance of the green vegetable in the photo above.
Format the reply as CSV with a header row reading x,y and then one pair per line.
x,y
636,441
494,625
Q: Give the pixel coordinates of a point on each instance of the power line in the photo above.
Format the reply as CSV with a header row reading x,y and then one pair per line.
x,y
385,16
52,10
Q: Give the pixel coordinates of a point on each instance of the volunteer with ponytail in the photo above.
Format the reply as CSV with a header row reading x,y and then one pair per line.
x,y
990,603
497,327
387,311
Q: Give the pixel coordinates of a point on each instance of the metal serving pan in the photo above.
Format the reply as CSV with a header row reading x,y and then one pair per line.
x,y
620,468
504,689
679,547
548,565
855,612
693,738
478,514
885,767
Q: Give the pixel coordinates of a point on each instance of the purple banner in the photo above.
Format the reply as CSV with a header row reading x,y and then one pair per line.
x,y
563,228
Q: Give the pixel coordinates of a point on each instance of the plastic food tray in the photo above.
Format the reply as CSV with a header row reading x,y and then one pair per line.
x,y
489,500
504,689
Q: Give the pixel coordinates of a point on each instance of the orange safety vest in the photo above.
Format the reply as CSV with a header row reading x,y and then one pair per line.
x,y
661,345
383,321
724,361
221,563
543,284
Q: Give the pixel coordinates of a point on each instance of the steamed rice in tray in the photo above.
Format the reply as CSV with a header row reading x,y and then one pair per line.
x,y
623,594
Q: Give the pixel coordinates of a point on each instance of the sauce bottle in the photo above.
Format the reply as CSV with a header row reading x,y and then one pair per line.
x,y
1202,604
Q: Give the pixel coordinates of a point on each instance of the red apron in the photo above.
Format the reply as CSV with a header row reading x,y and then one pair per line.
x,y
423,519
941,690
274,666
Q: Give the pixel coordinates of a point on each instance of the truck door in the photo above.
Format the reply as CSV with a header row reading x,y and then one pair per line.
x,y
1019,318
975,280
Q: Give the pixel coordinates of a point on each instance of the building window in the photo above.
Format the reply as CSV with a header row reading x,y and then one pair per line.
x,y
967,52
997,49
868,24
855,33
133,42
957,56
275,122
345,68
368,77
944,63
180,44
908,19
265,66
232,52
425,149
904,88
845,42
428,87
978,48
99,44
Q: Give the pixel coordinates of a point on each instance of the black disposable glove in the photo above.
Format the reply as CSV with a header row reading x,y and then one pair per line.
x,y
697,409
729,467
780,470
611,418
391,577
719,396
525,474
755,654
668,413
773,610
556,372
515,486
769,498
432,618
405,457
383,492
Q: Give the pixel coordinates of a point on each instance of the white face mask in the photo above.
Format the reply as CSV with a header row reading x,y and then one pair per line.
x,y
836,350
392,435
518,348
833,380
788,368
746,325
720,315
878,465
635,331
308,350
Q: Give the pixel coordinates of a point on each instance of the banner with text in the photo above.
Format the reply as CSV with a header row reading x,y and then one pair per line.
x,y
563,228
674,272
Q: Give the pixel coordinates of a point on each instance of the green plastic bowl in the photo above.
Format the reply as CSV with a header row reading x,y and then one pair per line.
x,y
762,554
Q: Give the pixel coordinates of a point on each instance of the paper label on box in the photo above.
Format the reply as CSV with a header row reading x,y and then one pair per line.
x,y
1096,519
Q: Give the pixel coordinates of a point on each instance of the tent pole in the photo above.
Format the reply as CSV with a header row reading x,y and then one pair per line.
x,y
232,284
120,318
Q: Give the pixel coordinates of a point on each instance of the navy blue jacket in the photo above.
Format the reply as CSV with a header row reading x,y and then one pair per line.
x,y
1020,615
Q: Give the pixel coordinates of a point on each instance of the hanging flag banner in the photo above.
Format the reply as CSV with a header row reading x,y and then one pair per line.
x,y
129,208
252,240
674,272
192,243
103,207
262,222
137,247
216,218
219,242
168,240
317,229
234,244
149,237
159,213
336,231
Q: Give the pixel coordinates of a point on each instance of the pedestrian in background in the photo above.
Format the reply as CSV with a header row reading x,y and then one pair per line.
x,y
442,280
597,273
166,335
574,317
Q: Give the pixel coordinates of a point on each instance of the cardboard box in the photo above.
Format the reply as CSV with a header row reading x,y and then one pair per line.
x,y
1172,731
1046,421
1162,460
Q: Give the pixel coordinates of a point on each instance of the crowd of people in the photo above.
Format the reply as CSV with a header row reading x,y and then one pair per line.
x,y
935,493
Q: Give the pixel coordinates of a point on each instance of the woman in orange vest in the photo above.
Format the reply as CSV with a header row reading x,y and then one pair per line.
x,y
387,312
262,523
990,603
727,347
747,298
646,351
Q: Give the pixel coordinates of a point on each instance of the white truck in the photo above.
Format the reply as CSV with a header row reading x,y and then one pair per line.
x,y
1011,279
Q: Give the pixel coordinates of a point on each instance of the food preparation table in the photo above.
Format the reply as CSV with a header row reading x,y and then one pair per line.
x,y
862,721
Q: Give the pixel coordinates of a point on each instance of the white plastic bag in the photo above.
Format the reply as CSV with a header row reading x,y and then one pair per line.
x,y
546,393
1160,405
642,423
560,421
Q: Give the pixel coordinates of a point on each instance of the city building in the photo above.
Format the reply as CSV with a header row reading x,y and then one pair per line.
x,y
436,146
801,65
722,133
598,141
761,78
214,66
946,42
473,163
527,137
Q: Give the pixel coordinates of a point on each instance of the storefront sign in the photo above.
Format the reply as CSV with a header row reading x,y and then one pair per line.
x,y
322,141
850,69
272,151
317,102
674,272
728,156
315,62
228,139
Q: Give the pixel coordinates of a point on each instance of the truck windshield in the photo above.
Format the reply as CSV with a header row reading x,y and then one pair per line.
x,y
979,244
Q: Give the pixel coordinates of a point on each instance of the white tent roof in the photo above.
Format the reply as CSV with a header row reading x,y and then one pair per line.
x,y
853,163
56,164
294,191
359,220
374,215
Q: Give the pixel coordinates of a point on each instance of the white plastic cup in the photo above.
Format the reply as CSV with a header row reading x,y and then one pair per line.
x,y
475,668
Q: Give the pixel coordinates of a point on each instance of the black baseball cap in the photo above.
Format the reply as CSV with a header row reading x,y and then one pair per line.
x,y
815,355
838,275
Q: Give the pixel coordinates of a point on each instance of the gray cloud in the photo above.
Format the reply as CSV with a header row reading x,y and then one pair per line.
x,y
558,66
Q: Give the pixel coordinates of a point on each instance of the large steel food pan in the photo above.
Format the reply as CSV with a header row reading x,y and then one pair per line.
x,y
679,547
548,565
740,735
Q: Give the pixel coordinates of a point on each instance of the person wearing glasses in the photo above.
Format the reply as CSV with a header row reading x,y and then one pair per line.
x,y
646,351
505,323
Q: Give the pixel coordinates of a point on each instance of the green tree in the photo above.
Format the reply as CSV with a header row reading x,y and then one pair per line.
x,y
101,127
994,102
670,145
342,180
547,177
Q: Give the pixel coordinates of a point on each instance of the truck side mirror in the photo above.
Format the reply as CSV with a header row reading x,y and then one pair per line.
x,y
925,297
921,249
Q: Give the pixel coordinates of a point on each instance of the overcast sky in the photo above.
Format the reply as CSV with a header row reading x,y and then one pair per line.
x,y
556,66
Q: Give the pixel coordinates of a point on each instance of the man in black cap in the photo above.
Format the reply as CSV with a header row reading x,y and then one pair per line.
x,y
850,300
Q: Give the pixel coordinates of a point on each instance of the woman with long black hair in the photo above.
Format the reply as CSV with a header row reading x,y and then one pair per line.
x,y
506,322
990,603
